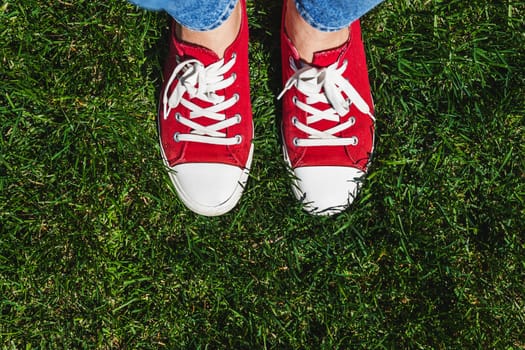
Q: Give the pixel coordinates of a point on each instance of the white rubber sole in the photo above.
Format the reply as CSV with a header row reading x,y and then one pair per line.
x,y
310,206
215,210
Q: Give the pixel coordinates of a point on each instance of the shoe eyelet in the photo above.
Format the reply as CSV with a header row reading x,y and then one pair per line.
x,y
234,55
236,96
176,137
238,138
294,120
178,116
356,141
294,100
352,120
295,141
234,76
238,117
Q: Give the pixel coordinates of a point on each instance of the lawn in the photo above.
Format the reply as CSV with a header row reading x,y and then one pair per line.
x,y
97,252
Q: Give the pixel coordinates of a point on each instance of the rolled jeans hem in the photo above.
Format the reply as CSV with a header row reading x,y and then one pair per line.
x,y
223,17
327,21
205,15
197,15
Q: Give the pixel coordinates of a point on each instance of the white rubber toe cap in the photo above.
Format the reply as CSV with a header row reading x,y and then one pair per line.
x,y
209,189
327,190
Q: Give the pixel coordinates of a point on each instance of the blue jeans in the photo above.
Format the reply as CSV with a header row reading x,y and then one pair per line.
x,y
201,15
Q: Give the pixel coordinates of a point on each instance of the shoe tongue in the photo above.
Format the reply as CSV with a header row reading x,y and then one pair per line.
x,y
328,57
200,53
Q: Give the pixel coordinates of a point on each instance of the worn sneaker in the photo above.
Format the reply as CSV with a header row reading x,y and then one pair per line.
x,y
328,123
205,122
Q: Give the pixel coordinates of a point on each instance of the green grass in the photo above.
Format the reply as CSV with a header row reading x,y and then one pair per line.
x,y
97,252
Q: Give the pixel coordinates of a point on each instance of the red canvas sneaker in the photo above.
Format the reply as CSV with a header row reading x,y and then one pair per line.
x,y
328,123
205,122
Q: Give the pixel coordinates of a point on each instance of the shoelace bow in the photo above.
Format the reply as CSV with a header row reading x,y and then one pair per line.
x,y
202,83
327,86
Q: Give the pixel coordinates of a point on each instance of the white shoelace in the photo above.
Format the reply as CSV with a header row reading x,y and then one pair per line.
x,y
201,83
328,86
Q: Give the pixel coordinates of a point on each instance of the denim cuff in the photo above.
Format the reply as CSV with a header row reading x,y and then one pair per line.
x,y
197,15
330,16
205,18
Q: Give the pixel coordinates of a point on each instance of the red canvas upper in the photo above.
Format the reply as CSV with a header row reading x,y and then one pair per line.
x,y
357,74
193,152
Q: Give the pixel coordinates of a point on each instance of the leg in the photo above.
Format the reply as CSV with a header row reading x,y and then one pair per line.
x,y
217,39
211,24
306,38
317,25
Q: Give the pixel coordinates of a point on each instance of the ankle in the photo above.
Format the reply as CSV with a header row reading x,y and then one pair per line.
x,y
218,39
308,40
